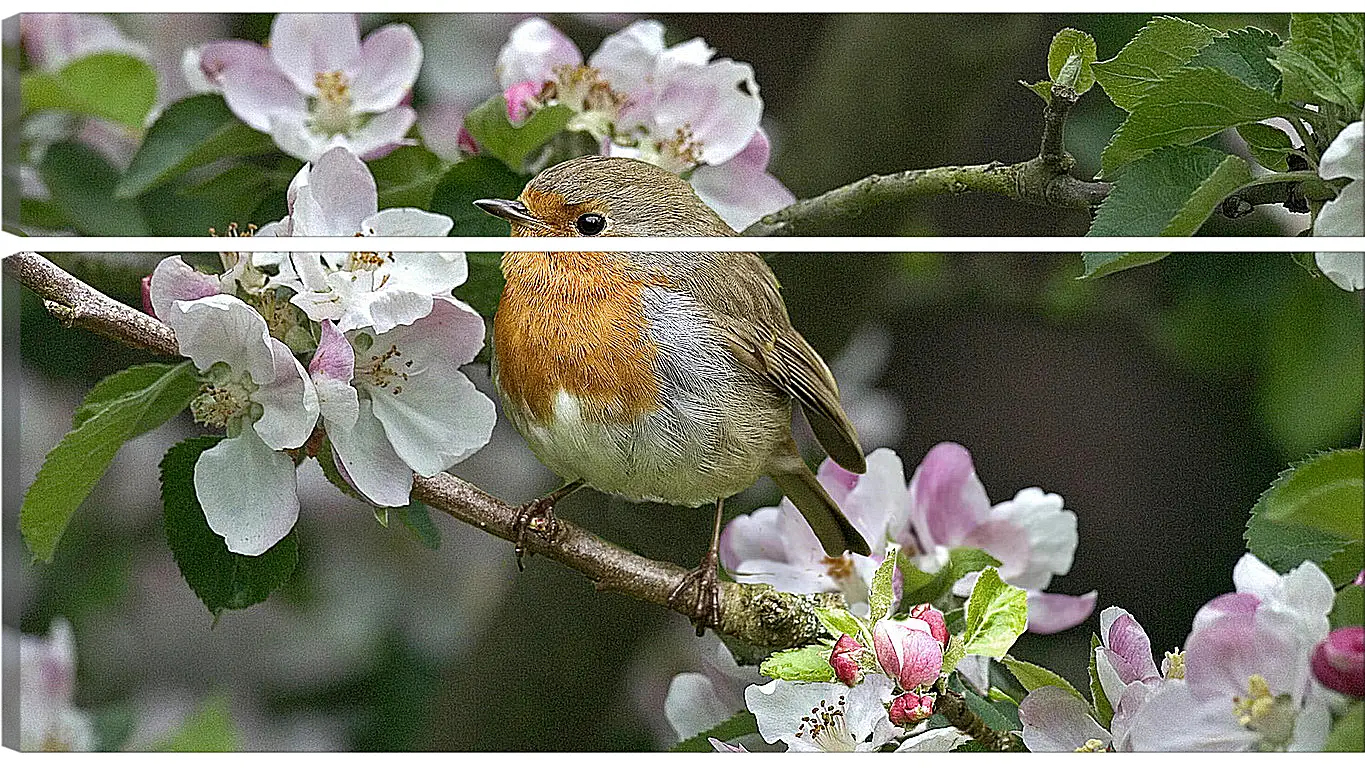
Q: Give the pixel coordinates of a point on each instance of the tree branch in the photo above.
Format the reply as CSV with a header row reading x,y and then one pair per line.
x,y
755,614
953,706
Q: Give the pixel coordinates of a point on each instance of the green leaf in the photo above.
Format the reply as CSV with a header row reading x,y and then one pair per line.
x,y
82,186
1348,732
1269,145
998,716
1164,45
1188,106
470,180
227,197
118,384
1100,264
1349,608
489,127
72,468
1171,193
207,729
191,132
1324,59
996,615
881,598
406,177
111,86
739,724
221,579
1314,511
1244,54
953,654
1066,44
839,622
920,587
1032,676
804,665
1104,711
416,518
1043,88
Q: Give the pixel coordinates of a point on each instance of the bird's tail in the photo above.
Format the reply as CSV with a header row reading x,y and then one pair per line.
x,y
835,532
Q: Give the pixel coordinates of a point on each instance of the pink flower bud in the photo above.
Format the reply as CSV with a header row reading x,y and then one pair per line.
x,y
932,616
844,659
465,143
1339,661
147,295
907,651
521,100
911,708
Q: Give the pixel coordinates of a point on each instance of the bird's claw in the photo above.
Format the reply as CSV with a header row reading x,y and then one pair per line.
x,y
536,516
702,586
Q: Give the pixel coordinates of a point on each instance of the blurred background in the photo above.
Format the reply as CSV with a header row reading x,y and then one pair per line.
x,y
1158,402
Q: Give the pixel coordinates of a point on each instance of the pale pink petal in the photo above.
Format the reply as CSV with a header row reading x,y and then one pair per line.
x,y
54,39
223,329
389,61
718,103
383,133
1056,721
293,136
255,89
1048,612
628,59
334,358
305,45
1124,636
740,189
534,48
946,498
173,280
339,195
288,401
407,222
439,126
877,498
521,99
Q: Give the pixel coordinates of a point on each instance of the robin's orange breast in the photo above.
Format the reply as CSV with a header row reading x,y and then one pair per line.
x,y
575,323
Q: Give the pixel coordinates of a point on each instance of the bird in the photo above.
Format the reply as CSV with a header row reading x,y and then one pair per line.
x,y
663,377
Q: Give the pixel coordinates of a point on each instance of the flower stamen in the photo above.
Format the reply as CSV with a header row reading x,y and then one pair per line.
x,y
331,108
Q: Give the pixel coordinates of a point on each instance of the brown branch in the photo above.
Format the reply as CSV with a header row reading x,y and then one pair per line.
x,y
953,706
755,614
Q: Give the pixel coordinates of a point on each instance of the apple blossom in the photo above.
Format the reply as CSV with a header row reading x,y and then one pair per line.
x,y
1125,654
1345,215
824,717
911,708
336,196
48,720
1056,721
1032,535
1339,661
53,40
317,85
698,701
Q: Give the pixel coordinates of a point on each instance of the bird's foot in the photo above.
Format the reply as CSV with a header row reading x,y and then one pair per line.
x,y
698,594
536,516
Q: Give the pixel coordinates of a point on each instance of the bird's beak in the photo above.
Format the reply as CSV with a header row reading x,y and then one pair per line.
x,y
511,210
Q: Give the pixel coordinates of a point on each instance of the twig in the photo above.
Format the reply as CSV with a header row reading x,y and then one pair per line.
x,y
953,706
755,614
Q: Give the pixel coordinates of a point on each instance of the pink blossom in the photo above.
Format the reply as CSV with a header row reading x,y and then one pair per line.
x,y
1339,661
521,100
318,86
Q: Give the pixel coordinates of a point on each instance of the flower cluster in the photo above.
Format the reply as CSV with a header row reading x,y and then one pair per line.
x,y
677,107
944,506
1249,677
386,339
316,85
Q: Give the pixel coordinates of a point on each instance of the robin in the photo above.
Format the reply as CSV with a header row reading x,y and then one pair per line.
x,y
665,377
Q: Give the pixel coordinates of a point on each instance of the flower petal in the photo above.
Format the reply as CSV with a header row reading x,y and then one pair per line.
x,y
173,280
390,58
304,45
879,497
339,194
248,493
718,103
740,190
438,418
946,498
223,329
51,40
383,133
1051,535
1056,721
291,134
255,89
627,59
289,401
1345,156
1049,612
533,50
935,740
1346,270
412,222
1173,720
1125,637
692,706
369,461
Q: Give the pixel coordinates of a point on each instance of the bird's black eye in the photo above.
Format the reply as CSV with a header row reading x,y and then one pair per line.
x,y
591,224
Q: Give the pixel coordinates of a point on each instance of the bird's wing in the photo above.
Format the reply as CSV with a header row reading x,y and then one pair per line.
x,y
754,321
